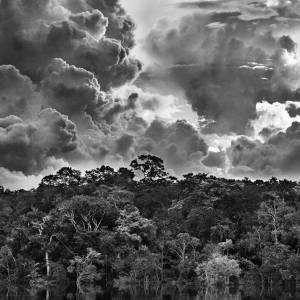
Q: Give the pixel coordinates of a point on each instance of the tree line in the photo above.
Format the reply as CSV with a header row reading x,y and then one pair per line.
x,y
141,226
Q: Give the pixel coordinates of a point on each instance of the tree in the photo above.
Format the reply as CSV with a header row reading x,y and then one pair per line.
x,y
45,231
88,214
86,268
182,246
152,167
272,215
145,268
218,269
69,177
66,181
133,227
124,176
276,261
102,175
7,264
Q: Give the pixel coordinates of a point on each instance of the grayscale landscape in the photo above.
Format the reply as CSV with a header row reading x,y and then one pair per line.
x,y
150,149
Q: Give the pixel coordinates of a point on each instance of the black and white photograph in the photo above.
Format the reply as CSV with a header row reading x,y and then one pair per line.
x,y
150,149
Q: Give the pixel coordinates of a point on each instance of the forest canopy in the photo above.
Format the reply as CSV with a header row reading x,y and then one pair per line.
x,y
139,225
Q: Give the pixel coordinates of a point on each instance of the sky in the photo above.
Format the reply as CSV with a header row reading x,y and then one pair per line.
x,y
209,86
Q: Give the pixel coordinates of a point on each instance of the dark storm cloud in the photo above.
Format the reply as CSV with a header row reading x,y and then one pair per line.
x,y
17,93
113,109
9,120
27,146
93,21
215,159
123,144
179,144
121,25
32,34
285,42
71,90
278,156
57,134
293,110
59,60
65,67
225,63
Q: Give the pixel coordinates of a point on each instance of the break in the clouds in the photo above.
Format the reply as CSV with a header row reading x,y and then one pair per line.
x,y
213,87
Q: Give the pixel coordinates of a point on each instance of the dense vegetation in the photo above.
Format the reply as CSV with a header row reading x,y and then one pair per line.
x,y
108,228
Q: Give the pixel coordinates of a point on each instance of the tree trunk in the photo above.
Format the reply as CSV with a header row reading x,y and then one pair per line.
x,y
47,264
47,293
162,264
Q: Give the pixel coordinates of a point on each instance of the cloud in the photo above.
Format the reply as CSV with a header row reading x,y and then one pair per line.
x,y
248,10
14,180
67,95
225,62
273,118
271,147
179,144
150,105
17,93
59,60
92,21
71,90
29,147
215,159
287,8
277,156
95,35
124,144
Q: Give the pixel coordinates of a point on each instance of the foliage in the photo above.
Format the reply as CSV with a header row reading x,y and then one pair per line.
x,y
141,225
86,268
218,269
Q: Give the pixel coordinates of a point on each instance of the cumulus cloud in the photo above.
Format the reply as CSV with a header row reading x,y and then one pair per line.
x,y
215,159
15,180
95,35
17,93
273,118
226,61
92,21
29,147
67,95
150,105
237,63
71,90
270,148
179,144
59,60
277,156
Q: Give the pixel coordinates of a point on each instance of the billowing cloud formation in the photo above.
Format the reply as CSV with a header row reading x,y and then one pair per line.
x,y
68,95
215,159
178,143
17,93
59,60
273,118
276,151
277,157
227,61
94,35
71,90
28,146
92,21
